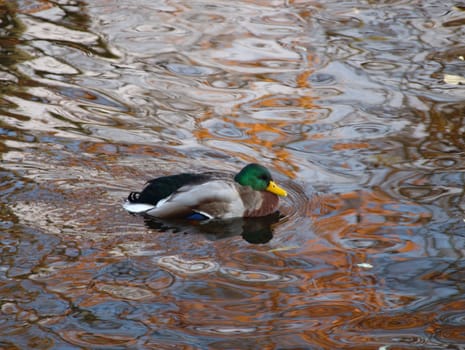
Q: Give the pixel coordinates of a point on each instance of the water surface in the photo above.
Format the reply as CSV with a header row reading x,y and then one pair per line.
x,y
357,106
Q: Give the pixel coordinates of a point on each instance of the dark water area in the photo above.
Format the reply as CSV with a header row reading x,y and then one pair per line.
x,y
358,107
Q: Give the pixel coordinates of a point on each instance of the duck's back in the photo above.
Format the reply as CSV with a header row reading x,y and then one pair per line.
x,y
211,199
162,187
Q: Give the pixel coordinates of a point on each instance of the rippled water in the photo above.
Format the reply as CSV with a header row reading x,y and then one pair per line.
x,y
357,106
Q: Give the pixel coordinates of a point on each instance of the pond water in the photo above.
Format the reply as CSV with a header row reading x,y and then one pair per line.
x,y
358,107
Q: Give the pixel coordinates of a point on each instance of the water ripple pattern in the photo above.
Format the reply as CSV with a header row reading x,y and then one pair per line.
x,y
357,107
177,264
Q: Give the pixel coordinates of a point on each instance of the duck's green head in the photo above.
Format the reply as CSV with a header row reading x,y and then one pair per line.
x,y
259,178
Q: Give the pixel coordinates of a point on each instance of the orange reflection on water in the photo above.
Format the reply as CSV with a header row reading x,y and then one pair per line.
x,y
264,135
370,216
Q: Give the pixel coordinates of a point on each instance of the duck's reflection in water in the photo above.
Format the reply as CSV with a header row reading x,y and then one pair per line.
x,y
253,230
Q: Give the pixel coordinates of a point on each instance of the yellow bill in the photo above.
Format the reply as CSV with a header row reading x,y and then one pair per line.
x,y
273,188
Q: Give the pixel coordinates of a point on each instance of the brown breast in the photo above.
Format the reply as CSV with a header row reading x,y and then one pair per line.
x,y
260,203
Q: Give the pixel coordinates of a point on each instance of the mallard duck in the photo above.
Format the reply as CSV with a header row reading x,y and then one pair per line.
x,y
210,195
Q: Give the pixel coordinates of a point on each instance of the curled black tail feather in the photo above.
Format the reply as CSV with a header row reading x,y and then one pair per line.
x,y
134,197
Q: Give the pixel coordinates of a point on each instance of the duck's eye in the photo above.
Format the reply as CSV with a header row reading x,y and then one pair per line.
x,y
264,177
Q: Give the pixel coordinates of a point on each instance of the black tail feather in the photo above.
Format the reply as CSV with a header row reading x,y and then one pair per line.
x,y
134,197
